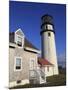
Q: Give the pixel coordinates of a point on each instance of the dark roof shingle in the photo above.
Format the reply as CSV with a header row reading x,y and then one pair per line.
x,y
11,37
29,44
26,42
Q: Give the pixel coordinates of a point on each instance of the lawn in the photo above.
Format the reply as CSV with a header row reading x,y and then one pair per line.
x,y
57,80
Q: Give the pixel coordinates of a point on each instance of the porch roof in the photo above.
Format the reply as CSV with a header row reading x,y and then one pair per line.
x,y
44,62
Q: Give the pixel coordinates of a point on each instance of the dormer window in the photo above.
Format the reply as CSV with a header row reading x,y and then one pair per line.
x,y
19,41
19,38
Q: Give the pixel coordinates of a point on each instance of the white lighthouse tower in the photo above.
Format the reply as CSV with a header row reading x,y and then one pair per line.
x,y
48,41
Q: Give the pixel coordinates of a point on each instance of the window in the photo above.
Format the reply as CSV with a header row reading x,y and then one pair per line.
x,y
45,27
18,63
50,27
19,41
18,81
32,64
49,34
19,38
48,69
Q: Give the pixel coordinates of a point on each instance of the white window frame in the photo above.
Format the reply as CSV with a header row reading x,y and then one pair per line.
x,y
16,37
19,39
15,64
30,63
22,41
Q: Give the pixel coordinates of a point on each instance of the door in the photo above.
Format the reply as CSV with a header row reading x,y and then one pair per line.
x,y
32,67
32,64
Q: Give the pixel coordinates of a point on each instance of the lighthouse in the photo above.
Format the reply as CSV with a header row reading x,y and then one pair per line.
x,y
48,45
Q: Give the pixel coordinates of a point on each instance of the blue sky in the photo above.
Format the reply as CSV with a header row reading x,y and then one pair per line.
x,y
27,16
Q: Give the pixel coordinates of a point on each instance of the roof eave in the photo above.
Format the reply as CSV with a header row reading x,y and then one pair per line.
x,y
32,49
27,48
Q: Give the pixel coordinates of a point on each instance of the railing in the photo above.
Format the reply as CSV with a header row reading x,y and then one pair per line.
x,y
19,43
42,74
36,73
32,74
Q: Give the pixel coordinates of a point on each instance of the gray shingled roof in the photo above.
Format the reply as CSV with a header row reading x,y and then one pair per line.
x,y
26,43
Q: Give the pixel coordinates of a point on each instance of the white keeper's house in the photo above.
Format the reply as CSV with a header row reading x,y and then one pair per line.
x,y
25,65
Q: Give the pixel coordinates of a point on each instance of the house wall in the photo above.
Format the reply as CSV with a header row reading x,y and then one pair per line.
x,y
23,74
45,70
50,72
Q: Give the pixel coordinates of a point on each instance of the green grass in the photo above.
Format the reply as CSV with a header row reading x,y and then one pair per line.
x,y
57,80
